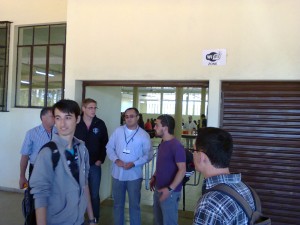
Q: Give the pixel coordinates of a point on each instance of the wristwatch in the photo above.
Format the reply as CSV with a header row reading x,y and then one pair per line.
x,y
170,189
92,221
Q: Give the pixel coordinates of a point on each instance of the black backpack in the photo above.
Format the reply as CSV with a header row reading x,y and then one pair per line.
x,y
190,167
254,217
28,201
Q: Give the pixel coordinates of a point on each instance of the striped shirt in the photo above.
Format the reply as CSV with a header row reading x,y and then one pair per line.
x,y
217,208
35,138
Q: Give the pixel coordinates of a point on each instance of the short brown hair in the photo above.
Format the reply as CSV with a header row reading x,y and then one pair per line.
x,y
88,101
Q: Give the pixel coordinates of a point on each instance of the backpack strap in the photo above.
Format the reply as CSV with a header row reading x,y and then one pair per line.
x,y
55,152
225,189
256,199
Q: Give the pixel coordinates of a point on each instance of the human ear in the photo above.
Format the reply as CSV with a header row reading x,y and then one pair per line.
x,y
78,119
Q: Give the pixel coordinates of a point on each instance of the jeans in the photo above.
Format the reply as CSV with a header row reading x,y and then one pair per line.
x,y
166,212
133,189
94,186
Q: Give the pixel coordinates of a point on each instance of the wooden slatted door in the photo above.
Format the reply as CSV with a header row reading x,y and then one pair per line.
x,y
264,120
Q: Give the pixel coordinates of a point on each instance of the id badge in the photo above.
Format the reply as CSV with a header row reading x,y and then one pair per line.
x,y
126,151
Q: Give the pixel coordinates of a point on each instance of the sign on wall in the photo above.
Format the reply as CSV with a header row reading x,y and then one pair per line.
x,y
214,57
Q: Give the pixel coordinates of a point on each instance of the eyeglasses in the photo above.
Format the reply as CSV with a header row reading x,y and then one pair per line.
x,y
193,150
92,108
198,150
130,116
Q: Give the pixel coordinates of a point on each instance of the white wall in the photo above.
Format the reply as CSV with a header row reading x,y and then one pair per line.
x,y
14,125
106,96
160,40
17,121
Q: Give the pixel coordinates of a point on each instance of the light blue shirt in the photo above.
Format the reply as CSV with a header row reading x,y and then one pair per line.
x,y
35,138
129,146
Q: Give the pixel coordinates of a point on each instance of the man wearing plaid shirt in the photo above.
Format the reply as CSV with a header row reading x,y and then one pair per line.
x,y
213,150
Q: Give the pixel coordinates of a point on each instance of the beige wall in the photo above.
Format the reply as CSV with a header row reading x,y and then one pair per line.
x,y
161,40
164,40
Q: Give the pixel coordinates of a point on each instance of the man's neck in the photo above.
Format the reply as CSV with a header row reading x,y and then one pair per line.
x,y
215,172
69,139
131,127
167,137
87,119
47,128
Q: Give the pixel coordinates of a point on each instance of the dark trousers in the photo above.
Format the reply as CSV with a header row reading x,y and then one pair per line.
x,y
30,218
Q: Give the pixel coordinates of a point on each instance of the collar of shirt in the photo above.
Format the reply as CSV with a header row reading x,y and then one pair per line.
x,y
224,178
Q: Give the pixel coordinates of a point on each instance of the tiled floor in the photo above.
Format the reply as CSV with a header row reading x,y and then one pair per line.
x,y
192,194
11,213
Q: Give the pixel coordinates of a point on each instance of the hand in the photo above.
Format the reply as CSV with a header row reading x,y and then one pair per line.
x,y
128,166
98,163
164,194
119,163
23,182
152,183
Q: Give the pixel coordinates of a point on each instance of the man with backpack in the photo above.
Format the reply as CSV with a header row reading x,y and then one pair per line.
x,y
212,154
59,179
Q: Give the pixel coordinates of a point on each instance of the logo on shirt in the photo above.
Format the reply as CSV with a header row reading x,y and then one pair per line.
x,y
96,131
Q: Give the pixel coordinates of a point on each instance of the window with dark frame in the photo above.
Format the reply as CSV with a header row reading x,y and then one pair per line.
x,y
4,62
40,65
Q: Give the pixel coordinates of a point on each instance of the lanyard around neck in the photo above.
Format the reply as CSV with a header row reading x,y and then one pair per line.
x,y
127,142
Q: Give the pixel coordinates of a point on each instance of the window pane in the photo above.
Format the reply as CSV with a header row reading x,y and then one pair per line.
x,y
25,36
2,57
23,78
4,62
55,75
58,34
40,82
168,103
41,35
2,75
3,37
38,76
153,104
197,108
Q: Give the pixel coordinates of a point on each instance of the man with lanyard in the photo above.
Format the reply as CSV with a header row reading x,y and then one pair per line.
x,y
129,148
35,138
93,132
